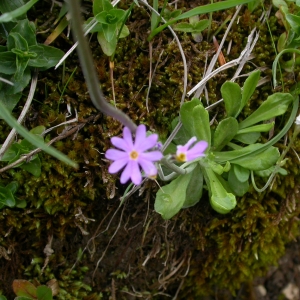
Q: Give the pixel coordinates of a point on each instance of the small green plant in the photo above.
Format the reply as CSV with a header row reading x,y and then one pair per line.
x,y
110,25
25,290
16,150
195,27
7,197
288,14
233,154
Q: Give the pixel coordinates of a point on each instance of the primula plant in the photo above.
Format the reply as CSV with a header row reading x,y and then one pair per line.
x,y
224,157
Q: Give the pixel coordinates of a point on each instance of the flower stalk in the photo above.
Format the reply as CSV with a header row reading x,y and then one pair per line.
x,y
89,72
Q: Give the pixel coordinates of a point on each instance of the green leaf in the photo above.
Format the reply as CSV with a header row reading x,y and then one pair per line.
x,y
182,136
10,95
184,27
33,167
268,172
10,154
224,133
259,161
20,203
220,200
241,173
21,67
258,128
9,5
44,293
275,105
46,58
108,48
171,197
249,88
195,188
13,186
101,5
6,197
124,33
248,138
10,101
26,29
110,31
110,17
232,95
19,43
201,25
217,168
186,111
38,130
24,288
253,5
5,28
201,124
8,63
9,16
2,297
222,157
238,187
294,22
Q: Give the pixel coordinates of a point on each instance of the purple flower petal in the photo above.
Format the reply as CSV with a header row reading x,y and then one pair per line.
x,y
140,136
198,148
191,141
149,142
114,154
117,165
185,154
125,176
148,167
120,143
128,137
136,176
151,156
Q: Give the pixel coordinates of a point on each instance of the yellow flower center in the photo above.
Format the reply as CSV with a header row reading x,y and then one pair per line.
x,y
153,177
133,155
181,157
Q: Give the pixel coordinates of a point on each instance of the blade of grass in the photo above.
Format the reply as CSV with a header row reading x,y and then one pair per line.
x,y
9,16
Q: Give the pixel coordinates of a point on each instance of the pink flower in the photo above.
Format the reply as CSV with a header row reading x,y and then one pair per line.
x,y
184,154
133,155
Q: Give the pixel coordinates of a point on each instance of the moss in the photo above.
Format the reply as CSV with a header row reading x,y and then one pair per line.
x,y
198,250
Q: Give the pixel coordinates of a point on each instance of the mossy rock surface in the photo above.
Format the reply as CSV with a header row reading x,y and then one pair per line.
x,y
103,251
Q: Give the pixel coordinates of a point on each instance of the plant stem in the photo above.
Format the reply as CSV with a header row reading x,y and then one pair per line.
x,y
89,72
